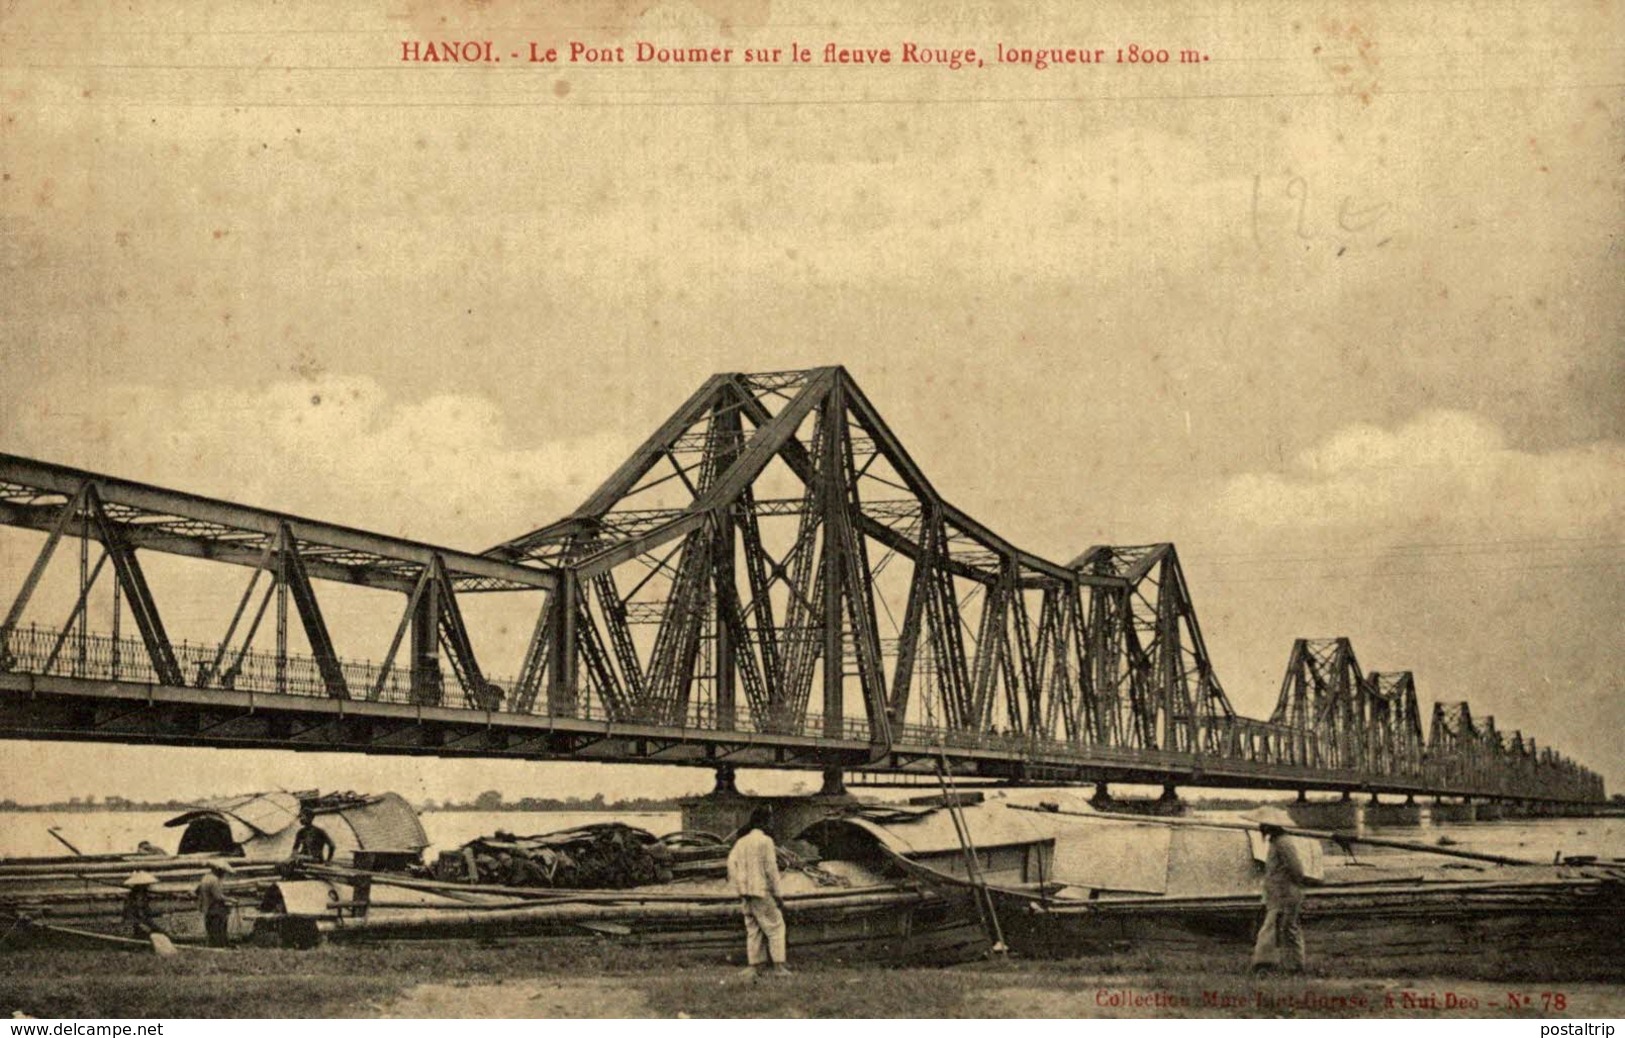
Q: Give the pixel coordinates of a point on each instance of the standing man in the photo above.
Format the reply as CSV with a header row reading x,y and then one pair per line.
x,y
753,871
1287,871
311,843
214,904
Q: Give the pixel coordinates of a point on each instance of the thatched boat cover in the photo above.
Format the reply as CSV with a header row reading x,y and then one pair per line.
x,y
262,826
246,817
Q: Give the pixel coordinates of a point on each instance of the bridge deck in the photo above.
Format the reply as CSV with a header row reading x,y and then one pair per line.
x,y
112,696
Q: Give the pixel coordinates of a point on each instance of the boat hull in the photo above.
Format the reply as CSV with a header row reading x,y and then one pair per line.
x,y
1560,932
891,925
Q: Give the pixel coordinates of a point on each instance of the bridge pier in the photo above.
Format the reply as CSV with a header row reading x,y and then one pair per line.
x,y
1490,811
725,780
834,783
1168,805
1378,813
724,810
1466,811
1325,814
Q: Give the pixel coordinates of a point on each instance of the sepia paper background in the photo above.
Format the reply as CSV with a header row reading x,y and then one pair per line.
x,y
1338,309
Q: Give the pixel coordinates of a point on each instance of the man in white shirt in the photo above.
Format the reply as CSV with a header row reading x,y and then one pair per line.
x,y
753,871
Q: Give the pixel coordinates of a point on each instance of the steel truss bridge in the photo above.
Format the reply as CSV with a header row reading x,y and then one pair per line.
x,y
769,581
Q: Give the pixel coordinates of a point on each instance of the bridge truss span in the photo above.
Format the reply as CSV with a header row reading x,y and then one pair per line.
x,y
769,580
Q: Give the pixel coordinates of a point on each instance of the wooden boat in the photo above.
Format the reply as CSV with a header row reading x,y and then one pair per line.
x,y
1555,923
1114,884
81,898
842,909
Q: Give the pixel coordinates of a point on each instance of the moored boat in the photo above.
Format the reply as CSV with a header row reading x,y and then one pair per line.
x,y
1557,923
838,905
1128,883
82,897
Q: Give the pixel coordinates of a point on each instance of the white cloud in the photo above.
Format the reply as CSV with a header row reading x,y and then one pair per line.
x,y
1440,469
340,448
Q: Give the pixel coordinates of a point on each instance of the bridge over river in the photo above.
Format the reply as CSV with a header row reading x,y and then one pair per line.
x,y
769,581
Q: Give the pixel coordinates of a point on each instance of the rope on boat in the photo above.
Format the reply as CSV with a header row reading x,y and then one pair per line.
x,y
984,900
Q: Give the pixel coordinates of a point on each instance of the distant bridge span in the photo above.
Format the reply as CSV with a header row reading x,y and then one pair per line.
x,y
769,582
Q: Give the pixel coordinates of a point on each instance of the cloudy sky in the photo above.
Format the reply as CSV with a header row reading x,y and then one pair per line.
x,y
1337,310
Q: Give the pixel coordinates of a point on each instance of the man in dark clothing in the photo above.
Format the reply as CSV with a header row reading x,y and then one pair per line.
x,y
139,914
311,843
214,904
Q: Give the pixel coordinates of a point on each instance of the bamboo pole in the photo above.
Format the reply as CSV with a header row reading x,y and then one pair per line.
x,y
984,900
150,945
547,894
90,935
84,867
1429,892
448,916
1313,834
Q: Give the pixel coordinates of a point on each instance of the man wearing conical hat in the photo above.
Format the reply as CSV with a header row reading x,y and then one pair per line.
x,y
1286,874
139,915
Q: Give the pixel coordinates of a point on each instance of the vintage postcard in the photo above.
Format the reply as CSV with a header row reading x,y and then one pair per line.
x,y
713,508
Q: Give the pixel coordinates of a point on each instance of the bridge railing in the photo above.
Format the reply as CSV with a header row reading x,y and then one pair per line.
x,y
38,650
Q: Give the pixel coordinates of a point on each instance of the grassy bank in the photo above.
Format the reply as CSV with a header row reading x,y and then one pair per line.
x,y
592,978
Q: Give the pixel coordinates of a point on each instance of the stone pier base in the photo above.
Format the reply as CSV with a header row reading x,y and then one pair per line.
x,y
1325,814
1393,814
724,813
1161,807
1453,812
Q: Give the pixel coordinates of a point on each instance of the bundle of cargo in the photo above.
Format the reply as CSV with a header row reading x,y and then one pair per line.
x,y
603,856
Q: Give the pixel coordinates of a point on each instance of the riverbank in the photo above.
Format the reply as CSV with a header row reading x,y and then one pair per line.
x,y
590,978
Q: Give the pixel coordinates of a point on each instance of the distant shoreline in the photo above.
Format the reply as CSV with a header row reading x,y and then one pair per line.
x,y
525,805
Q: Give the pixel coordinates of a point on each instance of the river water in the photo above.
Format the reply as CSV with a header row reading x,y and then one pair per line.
x,y
26,833
1534,839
